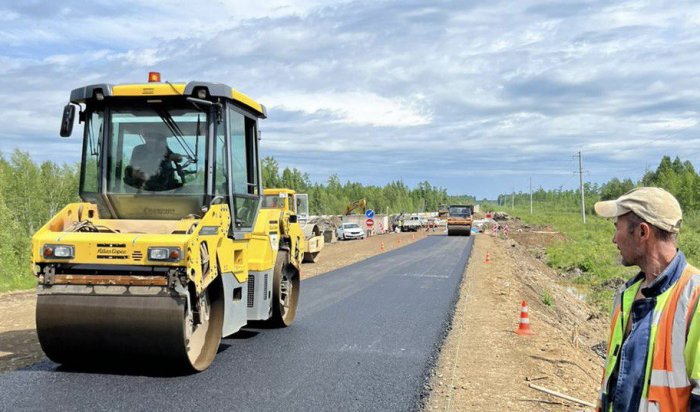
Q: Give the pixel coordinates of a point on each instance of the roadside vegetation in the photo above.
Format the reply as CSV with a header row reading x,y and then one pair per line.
x,y
588,257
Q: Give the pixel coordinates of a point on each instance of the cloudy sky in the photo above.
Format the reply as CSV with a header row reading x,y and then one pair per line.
x,y
474,96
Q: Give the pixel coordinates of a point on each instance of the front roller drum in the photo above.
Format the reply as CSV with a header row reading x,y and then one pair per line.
x,y
459,231
130,329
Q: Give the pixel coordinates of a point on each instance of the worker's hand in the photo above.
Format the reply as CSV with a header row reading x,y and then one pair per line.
x,y
177,158
138,174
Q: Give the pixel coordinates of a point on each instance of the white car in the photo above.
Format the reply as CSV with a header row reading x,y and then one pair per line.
x,y
350,231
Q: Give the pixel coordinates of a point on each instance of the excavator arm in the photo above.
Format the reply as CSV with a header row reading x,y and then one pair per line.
x,y
358,204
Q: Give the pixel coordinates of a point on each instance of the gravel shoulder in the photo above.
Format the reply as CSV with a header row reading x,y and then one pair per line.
x,y
484,365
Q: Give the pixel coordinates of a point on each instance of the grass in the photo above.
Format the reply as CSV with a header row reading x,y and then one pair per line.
x,y
589,255
547,299
21,281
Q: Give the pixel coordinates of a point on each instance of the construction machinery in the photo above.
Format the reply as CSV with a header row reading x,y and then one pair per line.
x,y
169,249
406,223
459,220
357,204
443,211
294,213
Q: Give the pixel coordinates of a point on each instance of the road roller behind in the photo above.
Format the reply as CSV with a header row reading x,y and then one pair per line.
x,y
459,220
295,206
169,249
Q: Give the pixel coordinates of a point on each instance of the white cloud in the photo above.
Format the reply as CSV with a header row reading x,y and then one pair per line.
x,y
357,108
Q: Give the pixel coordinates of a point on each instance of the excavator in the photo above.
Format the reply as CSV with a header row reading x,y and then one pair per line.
x,y
169,249
358,204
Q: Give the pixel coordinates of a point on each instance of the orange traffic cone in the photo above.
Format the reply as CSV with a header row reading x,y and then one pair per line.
x,y
488,258
524,326
382,247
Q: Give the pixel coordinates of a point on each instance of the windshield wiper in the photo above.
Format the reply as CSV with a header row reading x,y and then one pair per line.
x,y
177,133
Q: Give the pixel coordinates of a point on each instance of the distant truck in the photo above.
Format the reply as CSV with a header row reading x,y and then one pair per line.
x,y
459,220
410,224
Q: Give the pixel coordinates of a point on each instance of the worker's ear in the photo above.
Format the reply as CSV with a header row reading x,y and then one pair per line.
x,y
644,231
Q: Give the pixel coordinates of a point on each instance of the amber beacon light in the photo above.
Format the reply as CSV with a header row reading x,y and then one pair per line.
x,y
154,77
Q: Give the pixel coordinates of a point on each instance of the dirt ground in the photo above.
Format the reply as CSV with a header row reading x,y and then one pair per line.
x,y
484,365
19,345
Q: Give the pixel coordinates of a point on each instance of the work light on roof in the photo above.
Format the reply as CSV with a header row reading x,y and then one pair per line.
x,y
154,77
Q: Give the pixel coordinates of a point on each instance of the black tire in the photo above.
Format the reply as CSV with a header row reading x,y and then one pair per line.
x,y
285,292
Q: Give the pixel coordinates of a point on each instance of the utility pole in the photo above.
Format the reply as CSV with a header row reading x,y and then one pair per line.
x,y
580,176
530,194
512,199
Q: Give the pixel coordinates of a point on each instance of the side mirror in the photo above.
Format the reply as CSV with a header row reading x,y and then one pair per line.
x,y
292,218
67,120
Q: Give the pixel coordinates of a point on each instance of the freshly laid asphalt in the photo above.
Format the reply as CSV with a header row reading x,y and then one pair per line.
x,y
365,338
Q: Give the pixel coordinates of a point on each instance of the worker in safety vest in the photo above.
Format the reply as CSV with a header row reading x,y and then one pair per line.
x,y
653,361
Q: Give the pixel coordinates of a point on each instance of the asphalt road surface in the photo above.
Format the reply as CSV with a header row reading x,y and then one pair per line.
x,y
365,338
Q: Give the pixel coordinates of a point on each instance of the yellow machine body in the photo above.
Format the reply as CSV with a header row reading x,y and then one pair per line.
x,y
160,270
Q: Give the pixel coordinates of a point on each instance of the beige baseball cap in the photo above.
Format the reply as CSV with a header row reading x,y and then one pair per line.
x,y
653,204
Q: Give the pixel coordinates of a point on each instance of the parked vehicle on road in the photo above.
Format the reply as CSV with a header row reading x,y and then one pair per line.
x,y
350,231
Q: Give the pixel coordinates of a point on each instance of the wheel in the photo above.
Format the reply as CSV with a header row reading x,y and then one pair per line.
x,y
285,292
203,324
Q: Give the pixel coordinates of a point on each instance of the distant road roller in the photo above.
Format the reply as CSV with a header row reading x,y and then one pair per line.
x,y
459,220
170,249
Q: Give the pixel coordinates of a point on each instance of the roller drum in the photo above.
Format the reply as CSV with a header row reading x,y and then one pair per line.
x,y
112,329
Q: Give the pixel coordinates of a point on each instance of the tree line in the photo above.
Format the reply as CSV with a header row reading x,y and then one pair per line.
x,y
333,196
677,176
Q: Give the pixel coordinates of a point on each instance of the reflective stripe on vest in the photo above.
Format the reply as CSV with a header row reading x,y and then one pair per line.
x,y
666,383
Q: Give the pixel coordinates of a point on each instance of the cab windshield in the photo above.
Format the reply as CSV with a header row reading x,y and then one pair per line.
x,y
154,160
272,201
460,211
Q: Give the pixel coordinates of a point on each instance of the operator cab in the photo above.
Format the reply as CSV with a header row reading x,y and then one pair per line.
x,y
296,203
166,151
460,211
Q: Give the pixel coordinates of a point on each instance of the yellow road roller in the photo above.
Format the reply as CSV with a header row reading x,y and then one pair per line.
x,y
295,206
170,248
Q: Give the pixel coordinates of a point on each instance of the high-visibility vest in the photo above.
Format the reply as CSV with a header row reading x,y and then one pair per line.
x,y
673,360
